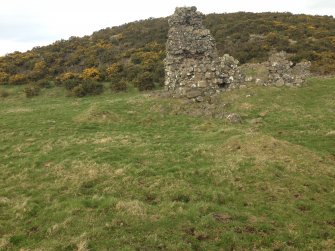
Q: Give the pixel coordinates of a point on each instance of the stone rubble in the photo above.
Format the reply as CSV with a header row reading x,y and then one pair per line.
x,y
284,72
278,71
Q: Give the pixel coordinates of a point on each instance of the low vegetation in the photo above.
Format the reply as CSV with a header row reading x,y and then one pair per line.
x,y
116,172
32,91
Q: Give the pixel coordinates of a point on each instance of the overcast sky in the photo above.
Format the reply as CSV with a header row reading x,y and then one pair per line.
x,y
25,24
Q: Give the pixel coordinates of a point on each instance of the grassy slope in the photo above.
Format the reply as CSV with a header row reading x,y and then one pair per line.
x,y
110,173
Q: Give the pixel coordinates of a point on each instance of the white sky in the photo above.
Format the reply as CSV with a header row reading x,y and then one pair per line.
x,y
28,23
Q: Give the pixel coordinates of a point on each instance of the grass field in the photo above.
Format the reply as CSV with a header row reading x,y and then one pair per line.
x,y
113,173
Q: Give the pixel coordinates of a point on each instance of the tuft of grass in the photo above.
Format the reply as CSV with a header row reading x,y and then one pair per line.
x,y
130,171
134,207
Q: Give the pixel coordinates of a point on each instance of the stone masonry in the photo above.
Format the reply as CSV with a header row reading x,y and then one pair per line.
x,y
194,70
284,72
230,68
278,70
192,64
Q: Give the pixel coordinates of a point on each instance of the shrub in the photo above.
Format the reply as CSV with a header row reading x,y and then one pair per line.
x,y
93,87
58,82
69,75
4,77
118,72
38,72
69,84
144,81
32,91
4,93
18,79
115,69
119,86
86,88
78,91
44,83
91,73
158,74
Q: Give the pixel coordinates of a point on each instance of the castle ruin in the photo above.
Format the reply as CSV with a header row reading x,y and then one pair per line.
x,y
192,65
194,70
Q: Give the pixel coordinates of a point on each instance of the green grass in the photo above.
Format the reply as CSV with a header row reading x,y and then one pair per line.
x,y
113,173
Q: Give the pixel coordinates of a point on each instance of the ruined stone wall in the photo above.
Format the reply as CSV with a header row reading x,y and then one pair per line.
x,y
192,65
278,70
194,70
284,72
229,66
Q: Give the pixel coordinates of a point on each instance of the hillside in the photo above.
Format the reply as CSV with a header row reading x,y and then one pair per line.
x,y
128,51
132,171
251,168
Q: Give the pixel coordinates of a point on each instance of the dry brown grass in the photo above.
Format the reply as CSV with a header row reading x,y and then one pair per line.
x,y
117,140
264,149
4,242
132,207
19,110
58,227
96,114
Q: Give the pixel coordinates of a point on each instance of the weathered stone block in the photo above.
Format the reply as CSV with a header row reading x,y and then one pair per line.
x,y
202,84
208,75
193,93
